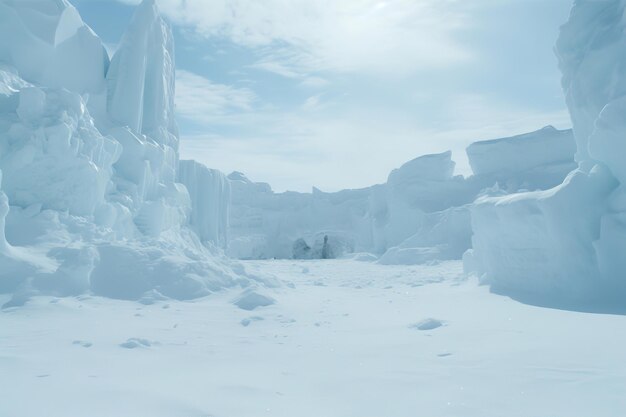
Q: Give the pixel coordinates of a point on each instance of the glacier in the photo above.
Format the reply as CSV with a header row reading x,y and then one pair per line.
x,y
93,195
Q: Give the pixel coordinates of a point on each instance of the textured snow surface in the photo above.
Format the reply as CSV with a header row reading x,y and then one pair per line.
x,y
340,341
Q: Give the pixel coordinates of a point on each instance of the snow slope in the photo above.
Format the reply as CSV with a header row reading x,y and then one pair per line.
x,y
344,338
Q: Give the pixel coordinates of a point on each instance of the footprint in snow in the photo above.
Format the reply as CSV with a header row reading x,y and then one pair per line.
x,y
82,343
249,320
427,324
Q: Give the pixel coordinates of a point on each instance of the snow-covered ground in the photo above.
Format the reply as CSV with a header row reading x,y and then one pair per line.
x,y
343,338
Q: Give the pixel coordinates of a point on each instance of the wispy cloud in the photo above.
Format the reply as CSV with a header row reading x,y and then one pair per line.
x,y
332,151
202,101
313,103
381,36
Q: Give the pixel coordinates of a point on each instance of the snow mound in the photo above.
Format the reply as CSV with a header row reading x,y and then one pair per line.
x,y
250,300
427,324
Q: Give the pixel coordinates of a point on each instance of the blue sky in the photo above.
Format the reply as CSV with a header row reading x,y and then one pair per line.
x,y
336,93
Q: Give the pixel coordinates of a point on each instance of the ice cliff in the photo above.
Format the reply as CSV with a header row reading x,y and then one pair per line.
x,y
209,191
566,245
536,160
93,198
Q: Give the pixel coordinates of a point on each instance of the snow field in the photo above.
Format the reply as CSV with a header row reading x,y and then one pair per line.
x,y
339,342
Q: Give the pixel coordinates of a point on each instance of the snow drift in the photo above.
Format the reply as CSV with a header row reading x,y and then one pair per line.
x,y
90,197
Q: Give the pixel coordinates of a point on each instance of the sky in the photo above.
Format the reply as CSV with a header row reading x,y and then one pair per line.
x,y
337,93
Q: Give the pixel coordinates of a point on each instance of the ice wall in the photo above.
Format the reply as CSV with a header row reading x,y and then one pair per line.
x,y
209,191
91,199
566,245
442,235
264,224
591,51
51,154
140,79
4,210
539,244
421,214
140,115
536,160
423,185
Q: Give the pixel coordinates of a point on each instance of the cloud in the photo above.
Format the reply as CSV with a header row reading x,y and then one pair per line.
x,y
315,82
202,101
333,151
313,103
364,85
303,36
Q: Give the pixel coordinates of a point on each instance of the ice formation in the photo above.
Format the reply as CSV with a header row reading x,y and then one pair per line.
x,y
48,44
567,243
90,198
537,160
209,190
265,225
421,214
